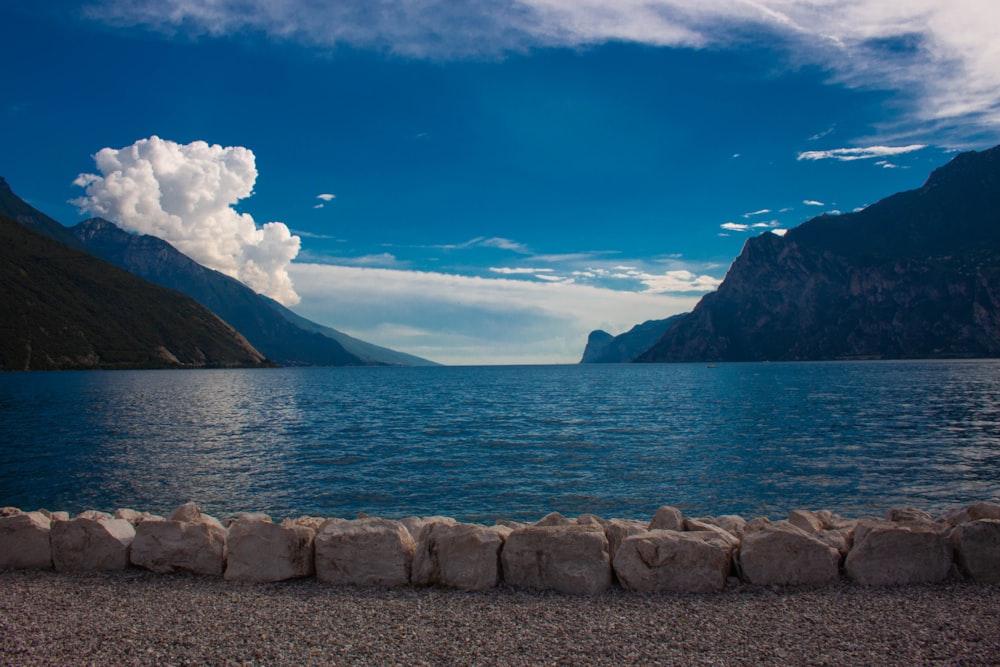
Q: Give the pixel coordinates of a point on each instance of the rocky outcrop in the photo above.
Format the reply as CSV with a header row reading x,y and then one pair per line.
x,y
912,276
603,348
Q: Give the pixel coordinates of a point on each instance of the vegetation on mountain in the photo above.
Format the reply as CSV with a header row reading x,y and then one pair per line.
x,y
65,309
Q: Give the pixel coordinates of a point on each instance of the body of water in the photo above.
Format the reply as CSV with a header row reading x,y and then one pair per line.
x,y
479,443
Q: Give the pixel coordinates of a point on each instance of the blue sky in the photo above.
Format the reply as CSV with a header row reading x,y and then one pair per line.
x,y
485,182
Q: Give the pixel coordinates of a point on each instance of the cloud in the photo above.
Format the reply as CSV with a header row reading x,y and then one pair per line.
x,y
513,271
734,226
866,153
941,58
326,197
184,194
812,202
763,211
468,320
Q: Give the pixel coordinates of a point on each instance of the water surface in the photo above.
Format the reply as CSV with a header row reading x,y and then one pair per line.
x,y
513,441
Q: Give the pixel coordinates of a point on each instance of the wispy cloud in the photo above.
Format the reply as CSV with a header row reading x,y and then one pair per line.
x,y
734,226
326,197
863,153
514,271
763,211
812,202
941,58
467,320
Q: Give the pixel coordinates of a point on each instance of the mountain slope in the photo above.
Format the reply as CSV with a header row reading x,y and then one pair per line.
x,y
277,332
65,309
916,275
603,348
14,207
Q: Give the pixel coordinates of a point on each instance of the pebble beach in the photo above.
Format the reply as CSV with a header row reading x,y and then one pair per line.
x,y
140,618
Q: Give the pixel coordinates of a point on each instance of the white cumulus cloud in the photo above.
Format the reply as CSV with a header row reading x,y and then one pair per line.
x,y
184,194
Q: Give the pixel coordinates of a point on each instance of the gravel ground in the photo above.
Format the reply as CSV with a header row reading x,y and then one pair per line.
x,y
139,618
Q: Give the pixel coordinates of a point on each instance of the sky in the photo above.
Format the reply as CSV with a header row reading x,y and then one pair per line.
x,y
484,182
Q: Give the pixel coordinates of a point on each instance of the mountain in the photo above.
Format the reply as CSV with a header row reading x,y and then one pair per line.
x,y
603,348
14,207
65,309
281,335
915,275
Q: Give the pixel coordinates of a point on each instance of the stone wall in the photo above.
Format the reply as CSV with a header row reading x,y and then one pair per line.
x,y
585,555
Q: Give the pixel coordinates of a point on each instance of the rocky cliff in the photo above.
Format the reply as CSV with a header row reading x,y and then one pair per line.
x,y
916,275
603,348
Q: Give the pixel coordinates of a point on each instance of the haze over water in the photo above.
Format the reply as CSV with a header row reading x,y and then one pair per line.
x,y
479,443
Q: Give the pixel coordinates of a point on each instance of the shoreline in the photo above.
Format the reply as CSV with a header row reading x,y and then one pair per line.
x,y
136,617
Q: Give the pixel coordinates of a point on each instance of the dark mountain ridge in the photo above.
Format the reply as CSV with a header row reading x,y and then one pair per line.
x,y
66,309
915,275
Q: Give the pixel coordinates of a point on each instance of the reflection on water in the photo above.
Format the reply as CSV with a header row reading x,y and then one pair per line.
x,y
476,443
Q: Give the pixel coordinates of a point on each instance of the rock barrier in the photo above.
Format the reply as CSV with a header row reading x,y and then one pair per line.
x,y
583,555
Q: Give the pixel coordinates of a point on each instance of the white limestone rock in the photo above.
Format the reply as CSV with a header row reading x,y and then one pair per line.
x,y
555,519
458,555
731,523
903,514
889,553
616,530
667,518
697,525
977,550
805,520
314,522
414,524
84,543
673,561
782,554
974,512
364,552
134,517
569,558
260,551
24,541
187,541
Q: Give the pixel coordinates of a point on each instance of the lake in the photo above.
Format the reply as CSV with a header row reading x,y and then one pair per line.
x,y
480,443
